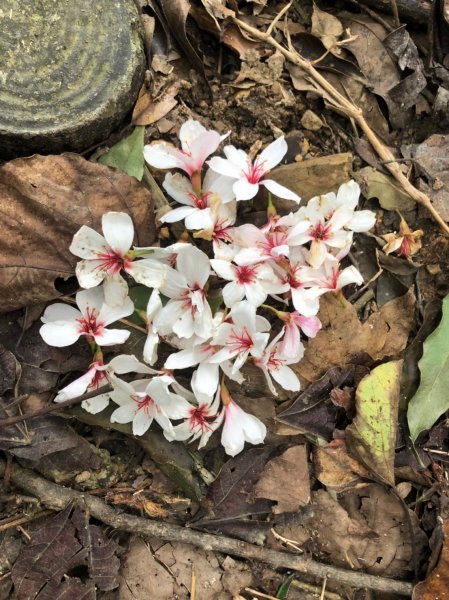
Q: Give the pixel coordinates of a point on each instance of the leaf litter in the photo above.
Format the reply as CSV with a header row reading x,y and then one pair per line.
x,y
331,481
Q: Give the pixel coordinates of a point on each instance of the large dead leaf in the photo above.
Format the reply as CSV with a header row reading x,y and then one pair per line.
x,y
44,201
285,479
335,469
344,339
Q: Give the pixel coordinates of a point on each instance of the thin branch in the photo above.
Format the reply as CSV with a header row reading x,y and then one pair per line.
x,y
57,497
342,105
54,407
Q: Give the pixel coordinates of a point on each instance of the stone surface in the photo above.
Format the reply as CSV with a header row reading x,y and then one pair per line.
x,y
69,72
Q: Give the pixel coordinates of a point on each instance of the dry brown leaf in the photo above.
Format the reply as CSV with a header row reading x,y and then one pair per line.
x,y
148,111
327,27
344,338
44,201
436,585
335,469
285,479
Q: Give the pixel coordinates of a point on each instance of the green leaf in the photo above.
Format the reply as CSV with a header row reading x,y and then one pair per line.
x,y
371,437
127,154
432,398
285,588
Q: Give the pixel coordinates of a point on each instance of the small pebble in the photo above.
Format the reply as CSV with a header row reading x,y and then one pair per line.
x,y
311,121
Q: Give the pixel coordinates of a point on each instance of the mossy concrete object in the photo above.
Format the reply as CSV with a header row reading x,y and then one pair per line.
x,y
69,72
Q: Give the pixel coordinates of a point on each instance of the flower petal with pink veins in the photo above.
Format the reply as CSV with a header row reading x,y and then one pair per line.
x,y
273,153
162,155
225,167
244,190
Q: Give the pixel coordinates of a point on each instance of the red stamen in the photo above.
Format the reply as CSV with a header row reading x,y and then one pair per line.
x,y
245,274
240,342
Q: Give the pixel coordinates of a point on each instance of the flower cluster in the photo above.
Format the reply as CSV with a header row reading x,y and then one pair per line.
x,y
249,300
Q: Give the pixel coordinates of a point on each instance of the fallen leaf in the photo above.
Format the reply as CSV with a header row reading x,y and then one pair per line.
x,y
148,110
127,154
312,177
335,469
431,399
285,479
375,62
313,412
436,585
9,370
375,184
432,162
327,27
45,200
344,340
371,437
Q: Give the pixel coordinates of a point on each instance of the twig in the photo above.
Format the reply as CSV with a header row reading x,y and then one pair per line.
x,y
57,497
394,10
14,521
54,407
344,106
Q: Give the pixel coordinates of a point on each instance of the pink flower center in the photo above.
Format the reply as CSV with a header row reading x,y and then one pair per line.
x,y
145,403
112,262
193,298
320,232
100,378
199,418
202,202
88,324
245,274
254,171
240,341
273,240
222,231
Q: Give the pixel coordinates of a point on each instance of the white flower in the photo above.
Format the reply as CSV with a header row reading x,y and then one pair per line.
x,y
197,143
294,323
260,245
105,257
347,196
199,207
187,313
144,400
98,375
274,364
201,422
151,343
242,334
323,234
329,278
253,282
240,427
64,324
249,174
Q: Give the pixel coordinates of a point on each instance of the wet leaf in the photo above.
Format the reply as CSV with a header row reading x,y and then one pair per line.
x,y
383,187
45,200
285,479
431,400
371,437
127,154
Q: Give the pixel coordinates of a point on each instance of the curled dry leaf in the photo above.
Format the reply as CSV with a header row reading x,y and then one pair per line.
x,y
335,469
45,200
327,27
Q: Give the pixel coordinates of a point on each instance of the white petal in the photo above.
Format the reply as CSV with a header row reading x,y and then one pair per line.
x,y
60,333
232,293
363,220
185,358
286,378
161,155
149,353
87,243
60,312
200,219
128,363
178,214
349,275
154,304
194,265
244,190
317,253
273,154
148,271
224,269
77,387
179,188
280,191
224,167
110,314
205,381
167,317
254,430
203,146
124,414
96,404
90,273
118,229
115,290
110,337
348,194
189,131
141,422
237,157
255,293
88,300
